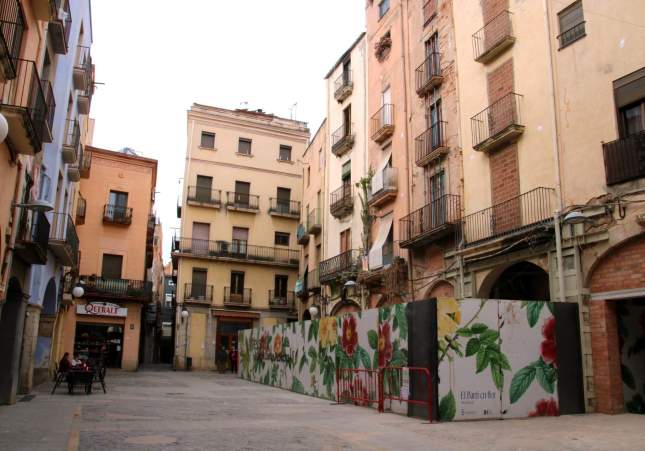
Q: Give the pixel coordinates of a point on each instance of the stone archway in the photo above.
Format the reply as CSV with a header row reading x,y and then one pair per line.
x,y
11,328
41,358
440,289
50,299
523,281
346,306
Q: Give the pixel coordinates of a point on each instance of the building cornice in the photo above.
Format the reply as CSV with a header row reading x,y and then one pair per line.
x,y
241,166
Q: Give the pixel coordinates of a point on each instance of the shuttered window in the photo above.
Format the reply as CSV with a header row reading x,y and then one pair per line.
x,y
244,146
285,153
111,267
208,140
572,24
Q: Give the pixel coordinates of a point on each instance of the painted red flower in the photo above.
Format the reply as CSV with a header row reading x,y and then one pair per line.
x,y
384,345
545,408
350,337
548,346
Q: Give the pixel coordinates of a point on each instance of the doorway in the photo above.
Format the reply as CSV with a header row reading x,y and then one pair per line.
x,y
11,329
227,331
100,342
523,281
630,316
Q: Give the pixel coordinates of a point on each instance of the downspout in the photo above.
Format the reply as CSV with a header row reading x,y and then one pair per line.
x,y
556,157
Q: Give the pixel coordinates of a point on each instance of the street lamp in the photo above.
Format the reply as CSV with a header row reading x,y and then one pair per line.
x,y
313,311
39,205
78,291
184,316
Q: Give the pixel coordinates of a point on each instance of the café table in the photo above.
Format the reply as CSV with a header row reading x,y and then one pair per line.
x,y
82,375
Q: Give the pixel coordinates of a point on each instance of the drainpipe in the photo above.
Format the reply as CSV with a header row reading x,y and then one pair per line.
x,y
556,156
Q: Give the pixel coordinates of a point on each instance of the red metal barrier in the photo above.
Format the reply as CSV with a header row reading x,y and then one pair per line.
x,y
394,377
363,387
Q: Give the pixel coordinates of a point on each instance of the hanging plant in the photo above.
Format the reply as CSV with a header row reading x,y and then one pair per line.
x,y
383,46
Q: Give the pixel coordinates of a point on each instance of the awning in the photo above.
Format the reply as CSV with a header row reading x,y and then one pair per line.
x,y
377,180
376,252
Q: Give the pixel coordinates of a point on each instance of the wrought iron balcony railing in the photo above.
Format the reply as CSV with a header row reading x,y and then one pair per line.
x,y
237,250
284,207
343,86
238,298
428,75
341,201
498,124
33,238
198,292
71,141
382,123
332,268
518,214
431,144
383,188
430,9
83,68
116,214
48,129
86,163
430,222
571,35
204,196
314,224
493,38
624,159
342,139
81,208
126,289
282,300
12,28
60,25
63,239
242,201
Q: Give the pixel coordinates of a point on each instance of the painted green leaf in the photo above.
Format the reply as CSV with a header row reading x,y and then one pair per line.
x,y
395,323
521,382
503,362
546,375
365,358
472,347
384,314
267,380
375,361
356,358
482,360
497,375
372,338
399,358
402,320
465,332
303,361
478,328
447,407
313,359
533,310
551,307
489,336
297,386
285,342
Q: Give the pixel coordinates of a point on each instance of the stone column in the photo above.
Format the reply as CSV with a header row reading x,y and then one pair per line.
x,y
29,340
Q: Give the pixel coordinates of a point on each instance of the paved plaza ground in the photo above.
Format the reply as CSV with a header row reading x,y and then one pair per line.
x,y
165,410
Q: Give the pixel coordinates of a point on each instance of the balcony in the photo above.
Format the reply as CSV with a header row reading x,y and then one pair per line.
x,y
74,170
84,99
116,289
63,240
83,76
24,105
33,238
430,222
430,9
86,164
81,207
282,301
498,125
237,251
344,264
382,123
341,201
342,140
242,202
313,281
71,141
571,35
431,144
204,196
60,25
198,293
493,38
383,188
48,130
242,298
116,214
343,86
12,27
515,216
284,207
302,235
428,74
624,159
314,224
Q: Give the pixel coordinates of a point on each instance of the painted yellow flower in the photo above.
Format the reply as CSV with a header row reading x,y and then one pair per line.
x,y
277,344
328,332
448,316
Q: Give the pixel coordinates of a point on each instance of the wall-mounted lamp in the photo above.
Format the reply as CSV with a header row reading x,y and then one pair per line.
x,y
313,311
38,205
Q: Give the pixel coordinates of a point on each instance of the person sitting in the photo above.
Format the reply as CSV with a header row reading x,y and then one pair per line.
x,y
76,361
65,363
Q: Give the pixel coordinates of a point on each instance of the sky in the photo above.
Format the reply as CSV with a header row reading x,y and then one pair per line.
x,y
155,58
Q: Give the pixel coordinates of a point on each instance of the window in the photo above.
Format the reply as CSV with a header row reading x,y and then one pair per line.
x,y
632,118
308,175
242,193
281,239
321,159
117,206
383,7
281,286
629,96
203,188
240,240
572,24
111,267
208,140
347,121
237,283
198,287
345,240
285,153
244,146
433,122
283,201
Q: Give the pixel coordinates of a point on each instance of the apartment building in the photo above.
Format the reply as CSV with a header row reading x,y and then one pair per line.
x,y
236,252
46,85
115,228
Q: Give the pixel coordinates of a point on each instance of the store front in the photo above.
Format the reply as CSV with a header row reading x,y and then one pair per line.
x,y
100,342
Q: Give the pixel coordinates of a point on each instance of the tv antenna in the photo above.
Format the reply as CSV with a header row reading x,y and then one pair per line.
x,y
294,111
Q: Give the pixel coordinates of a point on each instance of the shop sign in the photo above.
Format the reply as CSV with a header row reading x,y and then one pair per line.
x,y
101,309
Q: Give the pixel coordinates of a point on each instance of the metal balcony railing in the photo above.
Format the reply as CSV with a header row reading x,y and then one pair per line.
x,y
237,250
624,159
116,214
499,123
242,200
60,25
334,267
301,234
198,292
127,289
431,221
428,74
204,195
86,163
238,298
31,245
314,224
382,123
282,300
284,207
81,208
83,66
431,144
493,38
313,280
341,201
342,139
48,130
343,85
571,35
71,141
383,185
12,27
63,239
430,9
518,214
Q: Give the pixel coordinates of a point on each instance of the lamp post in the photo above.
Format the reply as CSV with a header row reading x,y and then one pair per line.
x,y
313,311
184,319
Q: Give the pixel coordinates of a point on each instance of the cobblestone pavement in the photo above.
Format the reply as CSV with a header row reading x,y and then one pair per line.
x,y
166,410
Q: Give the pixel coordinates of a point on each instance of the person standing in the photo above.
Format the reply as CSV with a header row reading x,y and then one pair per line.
x,y
221,358
233,358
